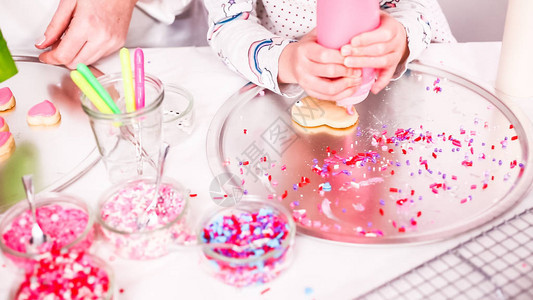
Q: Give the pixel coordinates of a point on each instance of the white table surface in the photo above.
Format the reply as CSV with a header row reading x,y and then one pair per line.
x,y
319,270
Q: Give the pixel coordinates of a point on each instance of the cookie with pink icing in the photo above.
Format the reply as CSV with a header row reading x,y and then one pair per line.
x,y
44,113
3,125
7,144
7,100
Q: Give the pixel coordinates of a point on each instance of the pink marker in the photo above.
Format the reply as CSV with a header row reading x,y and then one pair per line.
x,y
139,77
338,21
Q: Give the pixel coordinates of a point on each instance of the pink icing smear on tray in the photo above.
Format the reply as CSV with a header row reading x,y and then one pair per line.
x,y
45,108
4,136
5,95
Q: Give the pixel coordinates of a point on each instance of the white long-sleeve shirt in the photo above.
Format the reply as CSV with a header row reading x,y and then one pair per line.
x,y
249,35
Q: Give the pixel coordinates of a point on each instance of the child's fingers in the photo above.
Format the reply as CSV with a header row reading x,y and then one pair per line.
x,y
384,78
379,35
377,62
329,89
333,70
378,49
316,53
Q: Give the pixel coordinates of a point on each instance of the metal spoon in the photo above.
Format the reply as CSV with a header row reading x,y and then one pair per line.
x,y
37,235
149,215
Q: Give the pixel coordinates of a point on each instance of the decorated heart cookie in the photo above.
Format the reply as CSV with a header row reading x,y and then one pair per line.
x,y
44,113
7,144
3,125
311,112
7,100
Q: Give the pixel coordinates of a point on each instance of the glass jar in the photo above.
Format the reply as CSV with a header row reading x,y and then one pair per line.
x,y
263,236
121,208
67,222
67,275
128,142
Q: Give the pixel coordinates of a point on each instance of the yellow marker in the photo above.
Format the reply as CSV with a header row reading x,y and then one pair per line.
x,y
88,90
127,79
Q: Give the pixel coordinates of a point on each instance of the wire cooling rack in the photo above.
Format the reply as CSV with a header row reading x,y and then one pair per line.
x,y
496,264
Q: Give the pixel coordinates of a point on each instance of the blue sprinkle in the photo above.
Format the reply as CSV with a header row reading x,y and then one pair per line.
x,y
308,291
344,210
326,187
296,203
381,201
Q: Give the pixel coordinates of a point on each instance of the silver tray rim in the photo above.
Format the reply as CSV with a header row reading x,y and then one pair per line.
x,y
524,129
81,168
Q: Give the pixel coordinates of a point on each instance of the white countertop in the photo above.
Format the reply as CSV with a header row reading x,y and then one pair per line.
x,y
319,270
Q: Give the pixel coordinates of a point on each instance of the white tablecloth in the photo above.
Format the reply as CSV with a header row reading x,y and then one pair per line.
x,y
319,270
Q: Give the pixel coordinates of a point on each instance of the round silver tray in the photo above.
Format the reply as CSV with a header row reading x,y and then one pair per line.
x,y
59,154
440,155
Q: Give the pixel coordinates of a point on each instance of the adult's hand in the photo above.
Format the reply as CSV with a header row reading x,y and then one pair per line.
x,y
319,71
83,31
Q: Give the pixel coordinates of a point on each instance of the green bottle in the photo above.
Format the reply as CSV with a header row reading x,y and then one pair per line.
x,y
7,65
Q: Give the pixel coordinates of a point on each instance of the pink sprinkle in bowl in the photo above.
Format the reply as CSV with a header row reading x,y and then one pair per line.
x,y
120,208
67,221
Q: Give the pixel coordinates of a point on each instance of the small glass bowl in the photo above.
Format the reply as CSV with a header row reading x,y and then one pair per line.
x,y
121,207
178,114
90,271
66,220
260,267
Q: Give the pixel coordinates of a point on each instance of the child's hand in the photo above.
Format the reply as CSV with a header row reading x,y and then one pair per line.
x,y
319,71
382,49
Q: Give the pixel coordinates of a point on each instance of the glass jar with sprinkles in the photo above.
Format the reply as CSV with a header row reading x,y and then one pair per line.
x,y
67,222
248,244
67,275
121,209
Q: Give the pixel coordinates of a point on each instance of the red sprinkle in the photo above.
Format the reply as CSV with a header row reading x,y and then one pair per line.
x,y
265,290
514,138
193,195
393,190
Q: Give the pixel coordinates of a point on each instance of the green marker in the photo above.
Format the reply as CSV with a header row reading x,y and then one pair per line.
x,y
7,65
88,75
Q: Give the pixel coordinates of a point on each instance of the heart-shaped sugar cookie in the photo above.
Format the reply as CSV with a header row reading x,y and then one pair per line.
x,y
312,112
